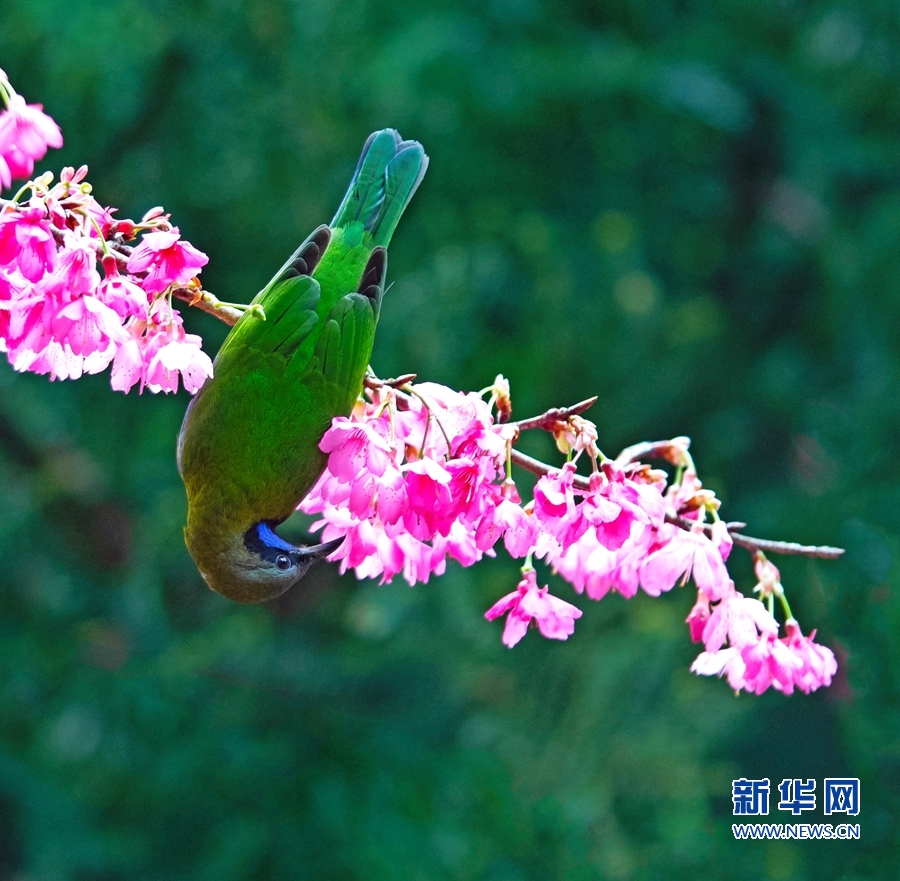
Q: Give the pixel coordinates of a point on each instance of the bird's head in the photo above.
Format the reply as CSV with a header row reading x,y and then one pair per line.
x,y
258,565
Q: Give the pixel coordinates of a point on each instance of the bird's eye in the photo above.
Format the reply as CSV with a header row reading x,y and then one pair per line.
x,y
283,562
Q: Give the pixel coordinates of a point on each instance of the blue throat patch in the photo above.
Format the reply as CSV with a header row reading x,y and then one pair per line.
x,y
267,536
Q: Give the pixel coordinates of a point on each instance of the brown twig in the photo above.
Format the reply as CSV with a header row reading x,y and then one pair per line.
x,y
555,417
535,466
206,302
785,547
762,544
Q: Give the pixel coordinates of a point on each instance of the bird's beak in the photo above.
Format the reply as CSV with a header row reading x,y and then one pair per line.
x,y
317,552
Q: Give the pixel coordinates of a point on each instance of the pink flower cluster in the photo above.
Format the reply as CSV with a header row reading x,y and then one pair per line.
x,y
420,474
631,544
411,480
755,658
58,314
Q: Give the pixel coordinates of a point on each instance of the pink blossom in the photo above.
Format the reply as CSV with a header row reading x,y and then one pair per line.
x,y
467,488
504,516
121,292
727,661
372,553
757,659
25,134
678,555
166,260
87,325
752,661
556,509
128,362
741,620
354,448
817,663
616,505
769,662
459,543
391,497
154,356
429,499
76,271
53,358
26,241
174,352
554,617
595,569
698,616
51,330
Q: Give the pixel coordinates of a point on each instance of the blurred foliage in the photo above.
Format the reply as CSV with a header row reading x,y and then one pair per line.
x,y
690,209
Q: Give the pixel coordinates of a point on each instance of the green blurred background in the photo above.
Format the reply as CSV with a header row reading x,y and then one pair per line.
x,y
691,210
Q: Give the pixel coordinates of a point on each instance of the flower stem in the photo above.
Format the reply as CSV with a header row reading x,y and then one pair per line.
x,y
431,414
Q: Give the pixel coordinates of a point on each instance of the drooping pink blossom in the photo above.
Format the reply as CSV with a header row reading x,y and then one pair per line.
x,y
25,134
757,659
679,554
428,511
166,260
726,661
769,662
172,353
740,620
128,362
698,616
154,355
817,662
556,509
554,617
504,516
75,273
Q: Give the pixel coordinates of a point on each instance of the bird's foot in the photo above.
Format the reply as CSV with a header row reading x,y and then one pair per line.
x,y
371,381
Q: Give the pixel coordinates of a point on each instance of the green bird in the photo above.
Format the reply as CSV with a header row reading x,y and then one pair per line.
x,y
248,450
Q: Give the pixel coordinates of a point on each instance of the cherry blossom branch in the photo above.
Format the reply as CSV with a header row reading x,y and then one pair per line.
x,y
555,418
785,547
825,552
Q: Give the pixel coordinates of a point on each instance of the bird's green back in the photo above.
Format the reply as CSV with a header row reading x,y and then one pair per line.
x,y
248,450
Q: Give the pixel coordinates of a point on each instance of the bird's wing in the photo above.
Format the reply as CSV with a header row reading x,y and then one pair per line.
x,y
344,345
289,305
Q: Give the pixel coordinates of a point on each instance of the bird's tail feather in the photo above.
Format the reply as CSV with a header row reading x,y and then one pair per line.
x,y
388,173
